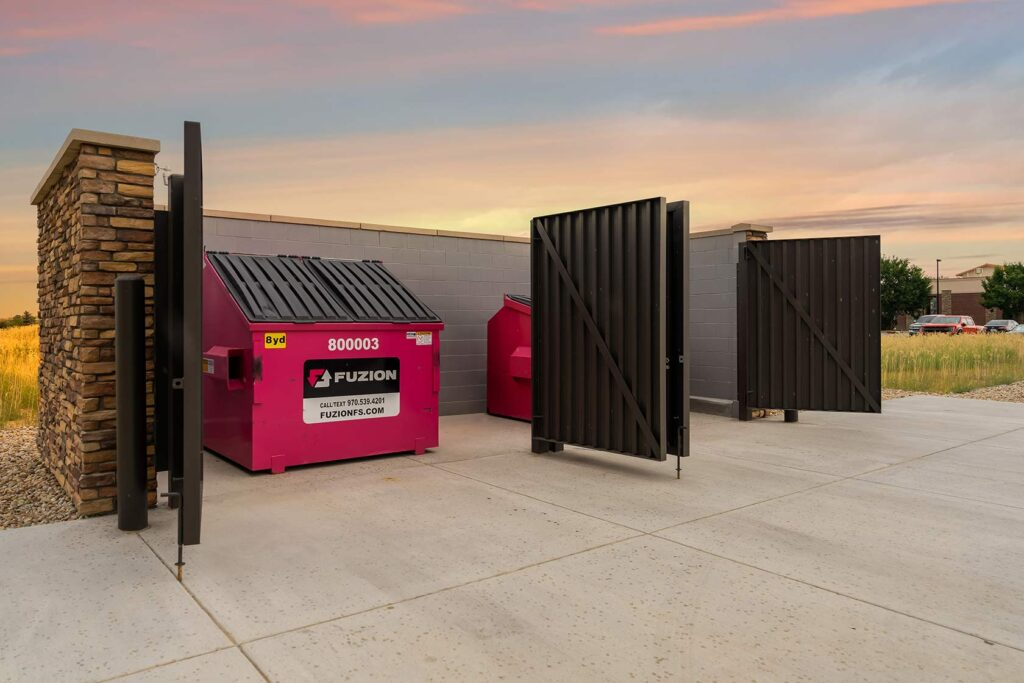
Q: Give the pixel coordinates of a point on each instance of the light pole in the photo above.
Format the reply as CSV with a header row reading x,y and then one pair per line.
x,y
938,291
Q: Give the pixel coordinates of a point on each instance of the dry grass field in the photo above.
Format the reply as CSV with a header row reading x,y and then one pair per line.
x,y
942,364
933,364
19,361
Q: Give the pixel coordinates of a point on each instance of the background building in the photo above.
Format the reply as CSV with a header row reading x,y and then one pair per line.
x,y
961,295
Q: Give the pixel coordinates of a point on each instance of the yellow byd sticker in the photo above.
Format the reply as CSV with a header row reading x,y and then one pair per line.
x,y
275,340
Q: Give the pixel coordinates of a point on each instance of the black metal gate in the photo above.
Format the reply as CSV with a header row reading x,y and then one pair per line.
x,y
609,370
809,325
677,319
178,354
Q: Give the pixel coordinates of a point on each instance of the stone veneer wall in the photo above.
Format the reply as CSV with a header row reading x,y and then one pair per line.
x,y
95,221
947,303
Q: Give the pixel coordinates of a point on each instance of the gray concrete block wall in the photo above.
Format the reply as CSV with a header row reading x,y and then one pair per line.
x,y
462,279
713,316
713,259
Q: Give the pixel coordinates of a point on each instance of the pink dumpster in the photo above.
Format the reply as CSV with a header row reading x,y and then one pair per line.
x,y
509,360
311,360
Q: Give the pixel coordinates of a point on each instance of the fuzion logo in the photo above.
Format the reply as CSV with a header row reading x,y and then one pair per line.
x,y
319,378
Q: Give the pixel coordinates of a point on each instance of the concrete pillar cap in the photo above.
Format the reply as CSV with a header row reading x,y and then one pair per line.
x,y
74,141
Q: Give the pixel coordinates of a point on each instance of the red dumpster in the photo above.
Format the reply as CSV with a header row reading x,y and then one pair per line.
x,y
508,359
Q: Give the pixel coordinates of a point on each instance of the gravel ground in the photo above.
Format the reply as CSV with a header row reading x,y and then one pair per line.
x,y
890,394
28,492
1012,393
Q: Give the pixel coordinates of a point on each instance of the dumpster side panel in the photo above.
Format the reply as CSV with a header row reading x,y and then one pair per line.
x,y
227,395
338,391
509,393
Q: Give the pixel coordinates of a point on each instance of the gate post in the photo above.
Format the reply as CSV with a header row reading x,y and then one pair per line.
x,y
742,302
130,357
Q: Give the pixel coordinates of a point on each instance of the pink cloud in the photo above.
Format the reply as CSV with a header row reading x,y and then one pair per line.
x,y
394,11
411,11
564,5
789,10
41,23
59,31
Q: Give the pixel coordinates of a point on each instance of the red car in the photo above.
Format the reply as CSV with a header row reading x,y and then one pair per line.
x,y
951,324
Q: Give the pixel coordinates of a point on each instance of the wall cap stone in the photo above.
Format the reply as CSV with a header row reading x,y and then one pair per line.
x,y
739,227
78,137
350,225
463,234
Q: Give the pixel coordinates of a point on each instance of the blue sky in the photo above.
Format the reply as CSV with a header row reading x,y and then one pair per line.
x,y
820,117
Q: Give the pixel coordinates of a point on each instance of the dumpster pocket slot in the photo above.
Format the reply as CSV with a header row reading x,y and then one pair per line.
x,y
226,365
519,365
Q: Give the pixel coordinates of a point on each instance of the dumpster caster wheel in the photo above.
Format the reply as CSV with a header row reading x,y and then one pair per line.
x,y
277,464
418,447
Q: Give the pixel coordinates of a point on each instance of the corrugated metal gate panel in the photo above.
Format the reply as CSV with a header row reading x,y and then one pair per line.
x,y
599,345
809,325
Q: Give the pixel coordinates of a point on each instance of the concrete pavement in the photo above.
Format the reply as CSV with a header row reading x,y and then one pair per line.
x,y
843,547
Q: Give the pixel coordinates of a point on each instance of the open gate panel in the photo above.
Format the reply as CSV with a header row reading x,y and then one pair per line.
x,y
608,367
809,325
178,355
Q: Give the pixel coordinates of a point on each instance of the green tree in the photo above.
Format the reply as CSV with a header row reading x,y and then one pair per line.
x,y
1005,289
905,289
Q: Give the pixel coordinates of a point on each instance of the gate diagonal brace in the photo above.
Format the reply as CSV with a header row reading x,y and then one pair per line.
x,y
652,442
832,351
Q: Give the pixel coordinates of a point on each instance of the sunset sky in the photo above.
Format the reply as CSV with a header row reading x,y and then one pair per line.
x,y
819,117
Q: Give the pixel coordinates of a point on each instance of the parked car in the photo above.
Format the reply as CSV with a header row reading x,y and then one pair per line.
x,y
1001,325
915,326
1017,330
951,324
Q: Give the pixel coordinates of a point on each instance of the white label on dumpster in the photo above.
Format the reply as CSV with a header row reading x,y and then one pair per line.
x,y
339,389
424,338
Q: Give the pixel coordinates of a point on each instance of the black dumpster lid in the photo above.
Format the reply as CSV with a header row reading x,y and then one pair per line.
x,y
521,299
298,289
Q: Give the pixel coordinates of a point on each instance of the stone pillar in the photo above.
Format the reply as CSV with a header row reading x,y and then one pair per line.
x,y
95,221
947,302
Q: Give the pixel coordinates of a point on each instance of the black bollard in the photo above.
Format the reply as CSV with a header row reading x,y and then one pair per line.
x,y
792,416
130,354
